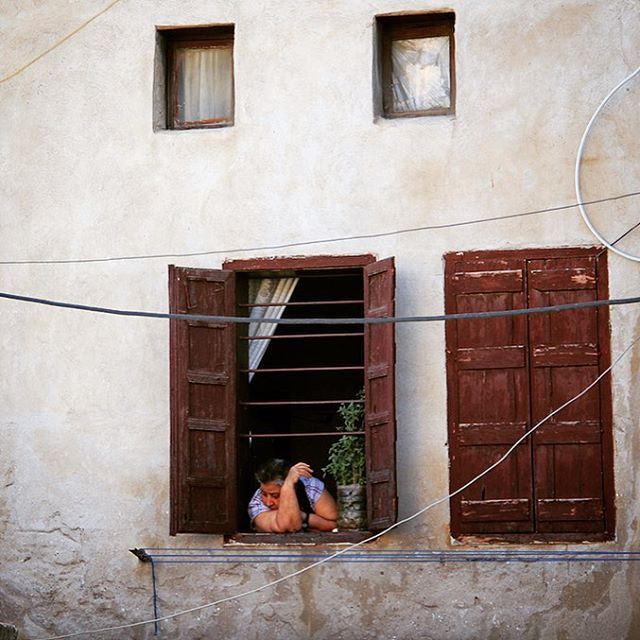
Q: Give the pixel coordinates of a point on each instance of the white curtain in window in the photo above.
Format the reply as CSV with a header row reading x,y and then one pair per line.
x,y
269,291
420,74
204,84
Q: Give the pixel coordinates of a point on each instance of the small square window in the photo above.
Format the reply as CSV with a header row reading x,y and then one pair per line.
x,y
199,77
417,64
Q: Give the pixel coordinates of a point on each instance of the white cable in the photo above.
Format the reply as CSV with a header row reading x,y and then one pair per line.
x,y
306,243
373,537
583,211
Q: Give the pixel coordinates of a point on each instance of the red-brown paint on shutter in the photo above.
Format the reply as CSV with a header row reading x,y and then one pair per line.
x,y
488,389
380,420
571,451
203,407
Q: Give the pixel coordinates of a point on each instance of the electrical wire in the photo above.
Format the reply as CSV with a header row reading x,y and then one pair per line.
x,y
182,555
322,321
341,552
55,46
577,172
306,243
620,237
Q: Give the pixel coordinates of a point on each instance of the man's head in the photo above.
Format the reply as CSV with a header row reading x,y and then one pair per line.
x,y
271,475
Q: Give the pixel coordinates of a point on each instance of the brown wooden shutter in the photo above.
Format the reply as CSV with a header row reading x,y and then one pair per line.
x,y
488,395
572,451
203,406
380,421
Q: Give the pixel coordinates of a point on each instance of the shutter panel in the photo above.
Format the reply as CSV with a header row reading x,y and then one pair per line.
x,y
380,421
203,406
570,449
488,397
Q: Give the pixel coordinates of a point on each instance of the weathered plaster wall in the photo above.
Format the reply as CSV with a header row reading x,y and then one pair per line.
x,y
84,432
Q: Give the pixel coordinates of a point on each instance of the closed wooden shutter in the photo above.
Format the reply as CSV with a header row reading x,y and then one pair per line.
x,y
203,406
566,351
380,423
506,374
488,404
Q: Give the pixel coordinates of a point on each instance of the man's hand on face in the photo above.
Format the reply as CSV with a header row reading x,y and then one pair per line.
x,y
298,470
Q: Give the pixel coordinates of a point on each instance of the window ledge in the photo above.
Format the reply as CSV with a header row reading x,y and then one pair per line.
x,y
296,539
475,540
192,130
415,118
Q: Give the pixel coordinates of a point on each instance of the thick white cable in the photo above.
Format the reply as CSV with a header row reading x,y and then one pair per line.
x,y
373,537
577,173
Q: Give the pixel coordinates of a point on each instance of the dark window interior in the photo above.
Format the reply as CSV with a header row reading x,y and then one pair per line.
x,y
306,372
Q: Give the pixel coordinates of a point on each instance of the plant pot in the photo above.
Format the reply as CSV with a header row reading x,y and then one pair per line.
x,y
352,507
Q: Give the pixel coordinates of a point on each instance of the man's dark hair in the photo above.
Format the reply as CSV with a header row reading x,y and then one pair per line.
x,y
274,470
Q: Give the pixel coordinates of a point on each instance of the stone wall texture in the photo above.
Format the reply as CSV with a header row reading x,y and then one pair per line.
x,y
84,418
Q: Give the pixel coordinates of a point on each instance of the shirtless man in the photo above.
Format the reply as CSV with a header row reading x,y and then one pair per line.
x,y
276,506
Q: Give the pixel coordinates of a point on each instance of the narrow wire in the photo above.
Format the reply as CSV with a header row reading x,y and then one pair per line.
x,y
156,626
57,44
227,553
306,243
341,552
624,235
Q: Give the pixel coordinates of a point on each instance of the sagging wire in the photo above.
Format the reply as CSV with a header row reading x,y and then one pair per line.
x,y
332,321
306,243
350,548
57,44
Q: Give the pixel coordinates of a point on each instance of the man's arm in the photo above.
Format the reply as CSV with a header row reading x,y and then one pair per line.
x,y
326,513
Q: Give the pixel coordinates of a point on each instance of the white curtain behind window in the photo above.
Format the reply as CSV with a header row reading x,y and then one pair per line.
x,y
266,291
204,84
420,74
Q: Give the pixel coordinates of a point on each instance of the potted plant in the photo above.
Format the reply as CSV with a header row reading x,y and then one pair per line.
x,y
347,466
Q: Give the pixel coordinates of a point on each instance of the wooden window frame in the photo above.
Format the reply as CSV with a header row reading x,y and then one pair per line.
x,y
604,393
423,25
379,371
210,37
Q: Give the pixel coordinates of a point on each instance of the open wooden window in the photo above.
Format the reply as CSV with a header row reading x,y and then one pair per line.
x,y
506,374
228,417
417,64
199,76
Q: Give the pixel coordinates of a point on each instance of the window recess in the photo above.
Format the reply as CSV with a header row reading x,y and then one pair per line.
x,y
198,86
285,403
416,59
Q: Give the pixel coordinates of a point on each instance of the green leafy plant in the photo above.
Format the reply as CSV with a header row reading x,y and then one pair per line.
x,y
346,455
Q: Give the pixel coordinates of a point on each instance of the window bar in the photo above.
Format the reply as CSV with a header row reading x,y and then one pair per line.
x,y
303,369
252,435
308,303
286,403
294,336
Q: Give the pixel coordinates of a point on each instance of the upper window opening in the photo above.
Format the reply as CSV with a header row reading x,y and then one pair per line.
x,y
199,77
417,64
243,394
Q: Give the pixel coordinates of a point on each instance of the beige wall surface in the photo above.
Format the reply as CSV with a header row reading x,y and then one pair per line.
x,y
84,422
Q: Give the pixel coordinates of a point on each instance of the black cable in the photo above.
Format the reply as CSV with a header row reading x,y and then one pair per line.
x,y
306,243
334,321
624,235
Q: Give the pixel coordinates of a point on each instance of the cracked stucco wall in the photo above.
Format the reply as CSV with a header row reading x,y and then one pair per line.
x,y
84,447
